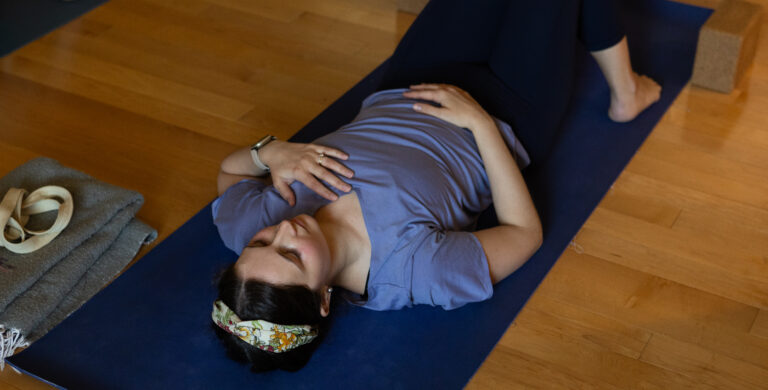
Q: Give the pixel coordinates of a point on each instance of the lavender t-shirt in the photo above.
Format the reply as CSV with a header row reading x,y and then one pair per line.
x,y
421,185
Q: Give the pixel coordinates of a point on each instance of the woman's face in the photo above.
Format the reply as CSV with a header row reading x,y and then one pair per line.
x,y
293,252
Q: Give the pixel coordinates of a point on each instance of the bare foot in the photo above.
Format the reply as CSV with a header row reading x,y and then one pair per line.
x,y
626,107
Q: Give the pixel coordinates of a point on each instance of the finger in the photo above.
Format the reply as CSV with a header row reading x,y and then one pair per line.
x,y
312,183
448,86
454,90
285,191
337,167
434,87
335,153
330,178
463,93
435,95
430,110
421,91
424,86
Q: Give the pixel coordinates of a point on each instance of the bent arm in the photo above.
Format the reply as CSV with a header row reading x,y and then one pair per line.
x,y
519,234
288,162
236,167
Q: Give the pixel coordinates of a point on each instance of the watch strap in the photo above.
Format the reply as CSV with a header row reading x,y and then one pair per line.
x,y
255,152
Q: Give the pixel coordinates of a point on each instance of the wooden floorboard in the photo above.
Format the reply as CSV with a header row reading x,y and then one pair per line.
x,y
665,286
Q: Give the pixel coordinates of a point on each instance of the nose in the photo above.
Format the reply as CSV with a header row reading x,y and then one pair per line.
x,y
285,227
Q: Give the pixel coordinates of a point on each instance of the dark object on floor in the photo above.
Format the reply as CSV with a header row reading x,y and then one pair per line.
x,y
160,318
23,21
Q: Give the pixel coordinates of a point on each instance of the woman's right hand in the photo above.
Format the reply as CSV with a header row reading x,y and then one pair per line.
x,y
519,233
307,163
457,106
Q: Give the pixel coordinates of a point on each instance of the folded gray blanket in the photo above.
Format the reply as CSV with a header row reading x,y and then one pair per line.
x,y
40,289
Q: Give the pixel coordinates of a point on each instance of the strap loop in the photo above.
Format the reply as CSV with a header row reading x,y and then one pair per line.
x,y
15,211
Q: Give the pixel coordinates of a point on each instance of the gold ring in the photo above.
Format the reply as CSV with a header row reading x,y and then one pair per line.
x,y
320,158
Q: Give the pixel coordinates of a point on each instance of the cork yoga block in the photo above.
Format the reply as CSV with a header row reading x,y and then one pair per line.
x,y
411,6
727,44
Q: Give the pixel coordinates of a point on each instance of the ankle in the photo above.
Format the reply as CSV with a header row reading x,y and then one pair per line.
x,y
626,90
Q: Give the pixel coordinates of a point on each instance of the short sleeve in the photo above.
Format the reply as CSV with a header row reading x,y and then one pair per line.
x,y
450,270
244,198
515,147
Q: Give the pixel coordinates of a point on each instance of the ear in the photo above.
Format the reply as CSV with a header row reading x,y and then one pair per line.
x,y
325,303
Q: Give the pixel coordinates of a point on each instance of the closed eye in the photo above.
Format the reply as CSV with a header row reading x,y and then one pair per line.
x,y
286,253
257,244
291,255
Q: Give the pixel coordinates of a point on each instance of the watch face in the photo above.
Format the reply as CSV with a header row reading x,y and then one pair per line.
x,y
262,142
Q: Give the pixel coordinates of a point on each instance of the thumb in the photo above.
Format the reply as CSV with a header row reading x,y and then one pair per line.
x,y
429,110
285,192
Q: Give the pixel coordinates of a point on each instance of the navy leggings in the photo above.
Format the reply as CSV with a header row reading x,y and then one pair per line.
x,y
515,57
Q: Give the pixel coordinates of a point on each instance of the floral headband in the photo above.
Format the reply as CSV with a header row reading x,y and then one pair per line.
x,y
263,335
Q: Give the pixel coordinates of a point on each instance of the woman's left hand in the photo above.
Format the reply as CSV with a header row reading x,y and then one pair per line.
x,y
457,106
307,163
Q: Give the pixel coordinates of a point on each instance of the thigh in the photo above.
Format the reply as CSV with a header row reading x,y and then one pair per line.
x,y
515,57
535,56
448,31
534,52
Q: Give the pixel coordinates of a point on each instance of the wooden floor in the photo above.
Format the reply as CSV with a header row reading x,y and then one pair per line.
x,y
666,285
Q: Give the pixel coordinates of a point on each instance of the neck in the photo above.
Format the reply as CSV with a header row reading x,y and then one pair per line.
x,y
348,270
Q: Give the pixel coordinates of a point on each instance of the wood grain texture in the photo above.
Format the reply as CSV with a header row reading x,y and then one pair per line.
x,y
760,327
670,285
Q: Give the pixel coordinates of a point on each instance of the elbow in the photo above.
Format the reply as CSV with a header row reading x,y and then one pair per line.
x,y
537,240
539,234
221,182
535,236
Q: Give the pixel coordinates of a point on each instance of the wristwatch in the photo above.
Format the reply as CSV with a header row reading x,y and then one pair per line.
x,y
255,151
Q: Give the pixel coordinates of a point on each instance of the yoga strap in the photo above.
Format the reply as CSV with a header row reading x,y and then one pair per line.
x,y
15,210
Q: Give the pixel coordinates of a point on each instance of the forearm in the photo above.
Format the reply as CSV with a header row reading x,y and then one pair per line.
x,y
510,195
288,162
240,163
238,166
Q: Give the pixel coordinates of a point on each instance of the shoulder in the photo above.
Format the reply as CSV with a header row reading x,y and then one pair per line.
x,y
245,198
236,193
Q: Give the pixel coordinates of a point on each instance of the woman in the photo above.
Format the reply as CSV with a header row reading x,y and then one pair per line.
x,y
418,165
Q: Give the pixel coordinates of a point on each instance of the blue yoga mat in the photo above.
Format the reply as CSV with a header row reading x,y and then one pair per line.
x,y
23,21
150,328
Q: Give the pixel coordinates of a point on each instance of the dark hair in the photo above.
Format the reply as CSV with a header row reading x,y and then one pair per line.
x,y
286,305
